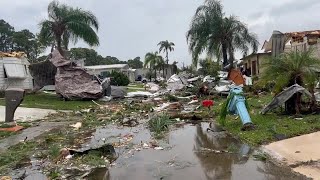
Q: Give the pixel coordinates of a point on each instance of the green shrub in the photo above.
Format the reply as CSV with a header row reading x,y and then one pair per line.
x,y
119,79
172,98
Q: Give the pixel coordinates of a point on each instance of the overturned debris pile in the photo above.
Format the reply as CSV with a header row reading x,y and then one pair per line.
x,y
284,96
176,83
43,73
72,82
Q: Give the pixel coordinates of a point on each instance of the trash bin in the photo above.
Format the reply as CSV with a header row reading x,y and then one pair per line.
x,y
13,97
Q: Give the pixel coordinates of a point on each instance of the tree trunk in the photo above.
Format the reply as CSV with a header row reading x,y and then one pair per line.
x,y
52,47
150,74
224,55
167,57
58,39
231,57
163,71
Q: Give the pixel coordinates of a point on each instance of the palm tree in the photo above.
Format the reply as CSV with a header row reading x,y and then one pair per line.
x,y
238,37
166,46
217,35
289,69
66,23
153,59
175,67
161,65
208,67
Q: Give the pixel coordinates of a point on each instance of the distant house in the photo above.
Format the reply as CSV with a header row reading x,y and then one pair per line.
x,y
105,70
14,71
303,41
253,64
282,43
141,73
168,71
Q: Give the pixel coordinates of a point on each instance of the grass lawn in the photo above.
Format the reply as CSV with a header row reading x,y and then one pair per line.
x,y
134,89
267,126
136,85
49,101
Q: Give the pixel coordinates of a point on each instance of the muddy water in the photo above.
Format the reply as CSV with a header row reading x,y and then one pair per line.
x,y
190,153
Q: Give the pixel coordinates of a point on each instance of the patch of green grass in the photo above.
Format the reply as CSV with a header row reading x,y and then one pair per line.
x,y
171,98
15,154
134,90
54,151
49,101
260,156
267,126
160,124
4,134
54,174
91,120
136,85
93,158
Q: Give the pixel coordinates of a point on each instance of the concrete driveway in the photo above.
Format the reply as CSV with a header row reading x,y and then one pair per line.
x,y
301,153
27,114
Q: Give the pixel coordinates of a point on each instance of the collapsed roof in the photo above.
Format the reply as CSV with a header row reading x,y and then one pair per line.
x,y
13,54
292,37
70,80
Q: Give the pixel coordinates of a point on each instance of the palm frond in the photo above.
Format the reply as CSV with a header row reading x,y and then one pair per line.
x,y
83,31
45,31
84,16
288,67
69,24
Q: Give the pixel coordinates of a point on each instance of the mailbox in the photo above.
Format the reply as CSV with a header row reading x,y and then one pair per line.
x,y
13,98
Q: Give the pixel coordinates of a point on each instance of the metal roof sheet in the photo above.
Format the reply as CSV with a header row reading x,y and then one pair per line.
x,y
111,66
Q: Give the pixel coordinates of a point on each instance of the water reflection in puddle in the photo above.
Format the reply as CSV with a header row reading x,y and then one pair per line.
x,y
190,158
191,153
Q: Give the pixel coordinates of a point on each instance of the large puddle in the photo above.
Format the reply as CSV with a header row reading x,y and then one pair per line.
x,y
191,152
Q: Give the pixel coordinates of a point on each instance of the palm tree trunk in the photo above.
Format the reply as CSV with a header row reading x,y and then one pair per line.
x,y
224,55
163,67
231,57
58,39
167,57
52,47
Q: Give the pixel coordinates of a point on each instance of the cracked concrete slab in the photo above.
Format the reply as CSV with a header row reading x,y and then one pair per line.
x,y
297,152
309,171
27,114
29,134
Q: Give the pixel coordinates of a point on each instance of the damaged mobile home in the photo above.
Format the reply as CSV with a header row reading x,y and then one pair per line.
x,y
14,71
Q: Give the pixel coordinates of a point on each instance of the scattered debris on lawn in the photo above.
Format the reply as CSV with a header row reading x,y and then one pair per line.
x,y
76,126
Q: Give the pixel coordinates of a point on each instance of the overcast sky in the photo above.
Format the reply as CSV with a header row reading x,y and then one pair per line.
x,y
130,28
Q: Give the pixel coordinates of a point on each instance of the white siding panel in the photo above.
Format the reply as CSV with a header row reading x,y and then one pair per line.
x,y
26,83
